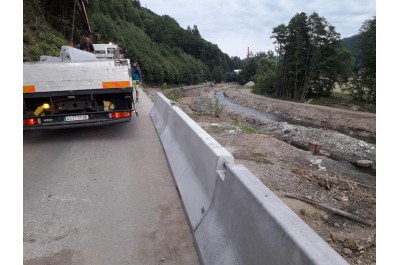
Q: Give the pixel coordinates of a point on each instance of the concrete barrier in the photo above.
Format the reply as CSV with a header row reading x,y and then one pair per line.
x,y
195,158
160,112
248,224
234,217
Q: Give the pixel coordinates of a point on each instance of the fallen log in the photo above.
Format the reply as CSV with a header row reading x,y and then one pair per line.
x,y
332,209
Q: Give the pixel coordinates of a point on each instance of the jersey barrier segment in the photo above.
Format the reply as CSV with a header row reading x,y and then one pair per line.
x,y
234,217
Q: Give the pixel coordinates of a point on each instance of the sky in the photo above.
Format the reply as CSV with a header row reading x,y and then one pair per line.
x,y
238,24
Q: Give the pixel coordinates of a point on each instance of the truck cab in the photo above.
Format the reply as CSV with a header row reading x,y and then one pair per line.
x,y
107,51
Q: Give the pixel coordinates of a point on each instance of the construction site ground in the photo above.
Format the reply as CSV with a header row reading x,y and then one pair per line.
x,y
326,189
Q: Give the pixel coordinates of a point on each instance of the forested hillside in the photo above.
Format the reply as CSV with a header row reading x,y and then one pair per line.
x,y
351,43
165,51
309,57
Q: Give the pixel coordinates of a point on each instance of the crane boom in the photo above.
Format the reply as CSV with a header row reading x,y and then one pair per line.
x,y
84,18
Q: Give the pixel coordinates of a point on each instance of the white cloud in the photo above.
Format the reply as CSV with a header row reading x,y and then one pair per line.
x,y
238,24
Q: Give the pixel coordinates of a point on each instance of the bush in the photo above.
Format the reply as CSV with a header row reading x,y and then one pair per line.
x,y
34,27
217,108
27,38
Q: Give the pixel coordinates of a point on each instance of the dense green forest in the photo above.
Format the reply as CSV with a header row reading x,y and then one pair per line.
x,y
309,58
165,51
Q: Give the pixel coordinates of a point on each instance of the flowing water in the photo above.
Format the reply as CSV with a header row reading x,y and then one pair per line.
x,y
222,100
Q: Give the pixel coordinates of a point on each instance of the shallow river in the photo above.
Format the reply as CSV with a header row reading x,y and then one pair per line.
x,y
223,101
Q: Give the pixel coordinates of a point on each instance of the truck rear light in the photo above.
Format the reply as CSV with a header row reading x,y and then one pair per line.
x,y
119,115
30,121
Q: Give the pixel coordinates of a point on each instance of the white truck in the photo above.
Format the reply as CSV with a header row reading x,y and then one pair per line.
x,y
106,51
76,89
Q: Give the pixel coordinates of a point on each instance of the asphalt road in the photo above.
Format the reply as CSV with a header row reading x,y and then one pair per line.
x,y
102,195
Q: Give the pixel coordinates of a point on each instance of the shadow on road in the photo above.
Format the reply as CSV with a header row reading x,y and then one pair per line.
x,y
110,131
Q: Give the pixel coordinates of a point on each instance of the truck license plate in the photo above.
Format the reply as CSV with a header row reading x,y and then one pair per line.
x,y
76,118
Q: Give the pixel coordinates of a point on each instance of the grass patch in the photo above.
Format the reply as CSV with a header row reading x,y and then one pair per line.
x,y
172,94
262,160
244,127
218,129
248,129
218,109
338,98
343,99
236,121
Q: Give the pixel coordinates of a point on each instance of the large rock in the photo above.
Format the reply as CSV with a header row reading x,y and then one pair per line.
x,y
364,163
249,84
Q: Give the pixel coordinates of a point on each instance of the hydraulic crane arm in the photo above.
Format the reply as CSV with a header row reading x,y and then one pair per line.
x,y
84,18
